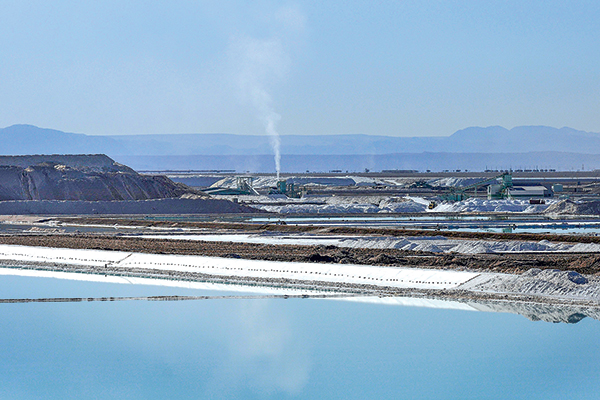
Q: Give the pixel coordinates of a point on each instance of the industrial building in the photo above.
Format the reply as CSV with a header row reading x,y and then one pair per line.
x,y
529,192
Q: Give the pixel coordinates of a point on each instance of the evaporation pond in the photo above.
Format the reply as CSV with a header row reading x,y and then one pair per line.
x,y
279,349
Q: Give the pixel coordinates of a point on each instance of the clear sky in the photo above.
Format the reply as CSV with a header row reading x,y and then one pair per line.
x,y
399,68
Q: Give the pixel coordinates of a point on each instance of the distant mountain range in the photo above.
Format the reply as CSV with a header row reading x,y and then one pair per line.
x,y
358,163
28,139
491,146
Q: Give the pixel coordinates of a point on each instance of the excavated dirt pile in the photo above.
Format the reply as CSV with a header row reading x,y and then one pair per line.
x,y
570,207
79,177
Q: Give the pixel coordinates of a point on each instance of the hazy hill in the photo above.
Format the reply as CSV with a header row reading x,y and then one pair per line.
x,y
494,139
472,148
359,162
28,139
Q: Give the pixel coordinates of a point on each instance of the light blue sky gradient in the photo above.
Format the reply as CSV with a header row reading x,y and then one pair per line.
x,y
400,68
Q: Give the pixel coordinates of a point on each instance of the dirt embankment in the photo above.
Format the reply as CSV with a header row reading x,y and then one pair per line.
x,y
507,263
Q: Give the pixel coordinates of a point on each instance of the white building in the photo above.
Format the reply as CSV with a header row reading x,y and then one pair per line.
x,y
529,192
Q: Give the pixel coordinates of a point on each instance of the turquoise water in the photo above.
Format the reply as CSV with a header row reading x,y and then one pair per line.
x,y
274,349
560,230
465,223
461,223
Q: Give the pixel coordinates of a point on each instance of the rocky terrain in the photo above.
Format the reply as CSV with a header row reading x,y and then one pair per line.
x,y
570,207
193,205
79,177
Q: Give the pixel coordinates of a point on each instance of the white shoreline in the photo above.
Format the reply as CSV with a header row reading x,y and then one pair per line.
x,y
553,285
336,273
238,288
314,274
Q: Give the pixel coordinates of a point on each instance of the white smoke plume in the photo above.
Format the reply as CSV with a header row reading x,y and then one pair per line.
x,y
270,125
260,64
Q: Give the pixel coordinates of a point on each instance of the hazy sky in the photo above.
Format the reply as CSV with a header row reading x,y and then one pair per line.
x,y
401,68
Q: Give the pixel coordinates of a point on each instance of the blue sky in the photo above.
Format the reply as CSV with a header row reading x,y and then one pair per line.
x,y
399,68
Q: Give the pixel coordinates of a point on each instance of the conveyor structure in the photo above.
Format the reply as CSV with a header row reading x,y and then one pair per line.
x,y
495,190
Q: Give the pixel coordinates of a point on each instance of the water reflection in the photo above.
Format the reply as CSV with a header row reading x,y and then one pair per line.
x,y
532,311
265,350
273,348
540,312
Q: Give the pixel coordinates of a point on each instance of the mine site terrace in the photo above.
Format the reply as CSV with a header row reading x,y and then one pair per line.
x,y
521,236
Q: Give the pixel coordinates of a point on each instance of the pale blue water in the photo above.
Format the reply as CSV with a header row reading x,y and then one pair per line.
x,y
274,349
465,223
566,230
461,223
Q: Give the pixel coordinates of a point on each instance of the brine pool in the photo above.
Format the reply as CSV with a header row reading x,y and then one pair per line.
x,y
465,223
279,348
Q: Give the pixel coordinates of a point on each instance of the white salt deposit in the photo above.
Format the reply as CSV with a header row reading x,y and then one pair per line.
x,y
566,284
263,182
563,284
346,273
348,205
484,205
529,310
239,288
454,182
408,204
153,282
259,239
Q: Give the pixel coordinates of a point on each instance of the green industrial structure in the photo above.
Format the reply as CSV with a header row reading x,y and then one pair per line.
x,y
244,186
289,190
495,189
